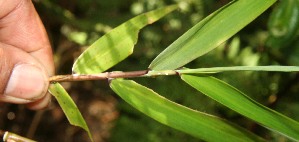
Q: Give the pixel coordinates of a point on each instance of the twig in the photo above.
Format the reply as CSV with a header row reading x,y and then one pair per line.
x,y
152,73
11,137
36,120
100,76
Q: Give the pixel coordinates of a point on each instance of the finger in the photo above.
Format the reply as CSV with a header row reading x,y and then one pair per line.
x,y
23,79
21,27
41,103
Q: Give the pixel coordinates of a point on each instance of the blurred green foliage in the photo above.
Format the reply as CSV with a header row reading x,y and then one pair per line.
x,y
272,39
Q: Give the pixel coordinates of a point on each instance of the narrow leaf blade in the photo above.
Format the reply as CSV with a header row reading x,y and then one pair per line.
x,y
69,107
210,33
198,124
239,102
241,68
116,45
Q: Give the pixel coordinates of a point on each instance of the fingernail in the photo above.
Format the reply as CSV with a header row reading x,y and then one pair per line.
x,y
26,82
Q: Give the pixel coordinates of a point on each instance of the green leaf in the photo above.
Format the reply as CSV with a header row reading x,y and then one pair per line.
x,y
210,33
284,24
198,124
241,68
69,107
239,102
116,45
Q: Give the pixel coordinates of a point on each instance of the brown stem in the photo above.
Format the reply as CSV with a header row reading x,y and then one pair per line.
x,y
33,126
100,76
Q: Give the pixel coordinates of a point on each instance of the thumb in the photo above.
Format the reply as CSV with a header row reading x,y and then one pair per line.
x,y
22,78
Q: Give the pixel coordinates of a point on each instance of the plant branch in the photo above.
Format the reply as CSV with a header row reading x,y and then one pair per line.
x,y
110,75
150,73
100,76
12,137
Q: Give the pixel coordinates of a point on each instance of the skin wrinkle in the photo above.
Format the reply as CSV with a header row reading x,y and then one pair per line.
x,y
22,18
5,74
23,40
8,64
12,9
26,33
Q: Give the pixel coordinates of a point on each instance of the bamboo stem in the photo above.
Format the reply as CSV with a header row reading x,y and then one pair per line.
x,y
100,76
152,73
110,75
12,137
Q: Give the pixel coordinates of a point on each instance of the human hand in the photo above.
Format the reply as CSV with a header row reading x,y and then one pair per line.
x,y
26,59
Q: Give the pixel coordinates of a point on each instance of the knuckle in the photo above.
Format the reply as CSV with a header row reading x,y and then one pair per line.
x,y
5,69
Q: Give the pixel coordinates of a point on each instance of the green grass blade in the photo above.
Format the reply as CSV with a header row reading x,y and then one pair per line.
x,y
210,33
283,24
241,68
69,107
239,102
116,45
198,124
